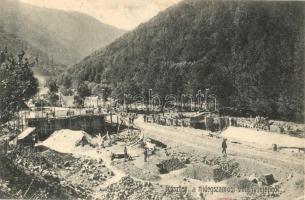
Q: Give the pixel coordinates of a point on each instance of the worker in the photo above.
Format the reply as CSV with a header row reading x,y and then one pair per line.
x,y
34,138
125,153
145,154
224,146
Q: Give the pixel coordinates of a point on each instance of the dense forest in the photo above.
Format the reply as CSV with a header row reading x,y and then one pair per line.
x,y
249,54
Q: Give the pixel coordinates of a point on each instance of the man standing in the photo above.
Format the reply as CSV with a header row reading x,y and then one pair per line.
x,y
145,154
125,153
224,146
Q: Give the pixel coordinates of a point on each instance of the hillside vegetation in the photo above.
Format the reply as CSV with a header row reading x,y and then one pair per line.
x,y
250,55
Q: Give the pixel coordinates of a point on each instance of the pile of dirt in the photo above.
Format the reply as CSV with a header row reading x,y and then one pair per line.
x,y
66,140
128,188
172,164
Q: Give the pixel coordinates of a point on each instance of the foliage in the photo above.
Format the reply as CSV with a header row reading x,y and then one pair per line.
x,y
83,90
53,99
101,90
52,86
17,85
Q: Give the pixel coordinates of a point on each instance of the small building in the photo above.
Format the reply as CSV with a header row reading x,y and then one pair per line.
x,y
93,102
27,137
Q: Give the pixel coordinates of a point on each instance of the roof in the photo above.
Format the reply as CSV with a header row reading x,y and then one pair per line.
x,y
26,133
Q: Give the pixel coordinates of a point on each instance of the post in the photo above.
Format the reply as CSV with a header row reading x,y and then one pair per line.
x,y
111,117
103,98
206,98
123,102
41,107
149,100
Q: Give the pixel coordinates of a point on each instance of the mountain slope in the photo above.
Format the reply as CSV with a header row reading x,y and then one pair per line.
x,y
250,55
66,37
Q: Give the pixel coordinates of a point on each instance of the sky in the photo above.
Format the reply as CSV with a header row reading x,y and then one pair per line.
x,y
124,14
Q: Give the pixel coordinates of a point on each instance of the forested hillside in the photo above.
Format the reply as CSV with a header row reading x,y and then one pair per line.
x,y
63,37
250,55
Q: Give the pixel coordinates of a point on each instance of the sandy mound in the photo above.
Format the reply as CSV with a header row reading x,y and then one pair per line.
x,y
66,140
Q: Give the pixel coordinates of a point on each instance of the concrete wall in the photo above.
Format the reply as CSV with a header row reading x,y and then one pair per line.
x,y
92,124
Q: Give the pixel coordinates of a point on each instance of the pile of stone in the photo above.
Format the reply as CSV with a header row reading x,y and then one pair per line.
x,y
223,168
128,188
59,159
95,171
184,157
290,128
85,174
35,164
266,179
245,122
128,137
169,165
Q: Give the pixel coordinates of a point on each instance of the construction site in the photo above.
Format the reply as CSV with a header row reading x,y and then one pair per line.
x,y
127,155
